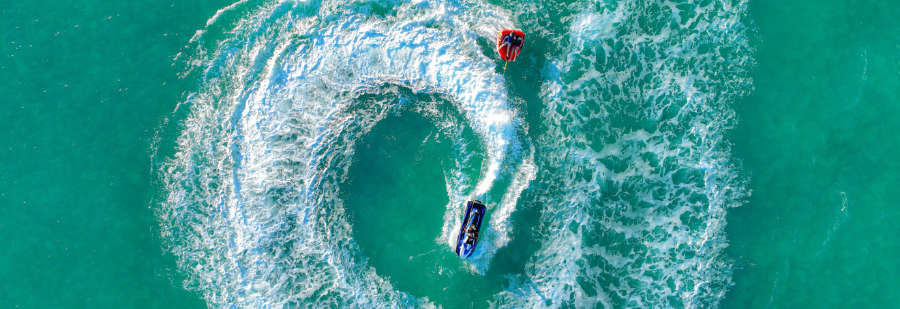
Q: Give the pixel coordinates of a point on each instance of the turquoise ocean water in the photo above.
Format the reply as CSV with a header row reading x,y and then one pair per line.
x,y
281,154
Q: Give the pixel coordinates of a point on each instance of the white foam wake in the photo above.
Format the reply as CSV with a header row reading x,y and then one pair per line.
x,y
251,211
636,116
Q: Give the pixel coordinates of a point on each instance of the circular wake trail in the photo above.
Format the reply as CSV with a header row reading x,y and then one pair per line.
x,y
631,168
252,211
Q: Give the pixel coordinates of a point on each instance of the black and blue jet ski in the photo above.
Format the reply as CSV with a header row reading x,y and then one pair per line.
x,y
468,231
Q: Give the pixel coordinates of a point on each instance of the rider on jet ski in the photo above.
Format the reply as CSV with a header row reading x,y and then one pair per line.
x,y
472,233
467,238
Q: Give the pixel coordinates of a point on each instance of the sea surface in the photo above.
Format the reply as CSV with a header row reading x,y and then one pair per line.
x,y
289,154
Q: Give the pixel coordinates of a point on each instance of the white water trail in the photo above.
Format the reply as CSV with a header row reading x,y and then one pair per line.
x,y
640,218
252,212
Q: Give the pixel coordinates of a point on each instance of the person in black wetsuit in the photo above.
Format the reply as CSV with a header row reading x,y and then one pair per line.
x,y
471,235
472,232
517,43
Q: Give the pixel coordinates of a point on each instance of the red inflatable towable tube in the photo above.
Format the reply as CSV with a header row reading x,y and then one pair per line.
x,y
510,43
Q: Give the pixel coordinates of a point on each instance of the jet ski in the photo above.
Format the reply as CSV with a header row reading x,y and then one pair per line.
x,y
468,231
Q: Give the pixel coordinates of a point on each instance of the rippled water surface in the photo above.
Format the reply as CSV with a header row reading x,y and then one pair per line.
x,y
284,154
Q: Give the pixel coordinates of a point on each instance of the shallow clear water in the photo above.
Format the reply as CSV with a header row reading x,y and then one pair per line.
x,y
288,154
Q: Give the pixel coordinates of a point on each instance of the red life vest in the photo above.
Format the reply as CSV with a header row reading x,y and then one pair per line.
x,y
508,52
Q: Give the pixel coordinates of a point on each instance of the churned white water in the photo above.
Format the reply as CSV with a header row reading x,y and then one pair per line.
x,y
631,173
